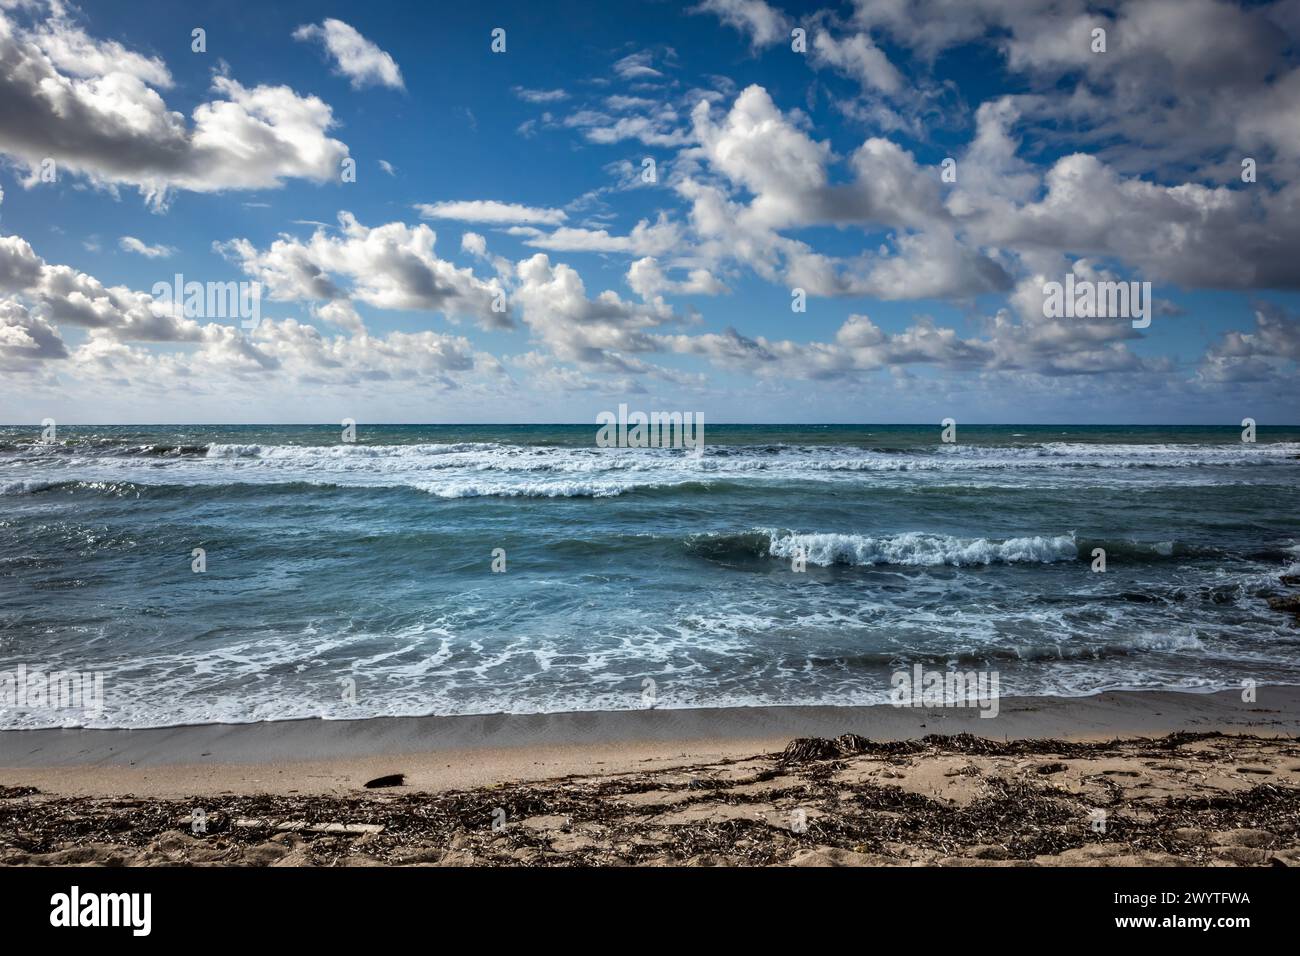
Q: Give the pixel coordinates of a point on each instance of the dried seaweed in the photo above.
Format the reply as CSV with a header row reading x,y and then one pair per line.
x,y
705,814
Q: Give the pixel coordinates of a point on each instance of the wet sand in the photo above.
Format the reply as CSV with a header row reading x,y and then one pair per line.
x,y
319,756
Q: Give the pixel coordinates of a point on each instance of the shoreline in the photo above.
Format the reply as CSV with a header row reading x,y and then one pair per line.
x,y
451,753
1155,778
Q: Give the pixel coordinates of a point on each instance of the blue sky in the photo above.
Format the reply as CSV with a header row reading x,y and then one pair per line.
x,y
516,178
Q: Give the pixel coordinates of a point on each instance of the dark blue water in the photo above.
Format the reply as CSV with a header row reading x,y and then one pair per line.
x,y
335,566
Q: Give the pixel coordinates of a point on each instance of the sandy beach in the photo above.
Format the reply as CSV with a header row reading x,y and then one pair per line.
x,y
1122,778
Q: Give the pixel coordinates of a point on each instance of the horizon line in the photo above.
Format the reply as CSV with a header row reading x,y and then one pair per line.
x,y
331,424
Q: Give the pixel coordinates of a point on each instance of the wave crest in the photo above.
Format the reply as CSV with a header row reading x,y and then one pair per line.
x,y
916,548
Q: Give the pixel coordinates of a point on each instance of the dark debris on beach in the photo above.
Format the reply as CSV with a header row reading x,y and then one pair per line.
x,y
1185,798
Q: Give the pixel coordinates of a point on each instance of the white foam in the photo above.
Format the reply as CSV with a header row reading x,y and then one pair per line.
x,y
25,486
920,549
473,469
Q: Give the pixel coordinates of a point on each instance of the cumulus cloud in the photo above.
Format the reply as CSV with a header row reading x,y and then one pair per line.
x,y
1190,234
647,279
1001,215
64,295
71,50
1141,181
90,107
1179,80
392,266
1019,340
1024,339
20,266
26,341
759,149
355,57
858,57
284,355
859,346
780,179
205,353
1268,353
604,332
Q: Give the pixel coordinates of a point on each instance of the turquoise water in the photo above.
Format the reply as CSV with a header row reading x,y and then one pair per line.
x,y
355,579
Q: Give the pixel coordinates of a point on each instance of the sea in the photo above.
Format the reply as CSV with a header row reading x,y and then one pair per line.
x,y
260,573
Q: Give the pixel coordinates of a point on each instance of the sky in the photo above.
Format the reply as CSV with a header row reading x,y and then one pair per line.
x,y
628,204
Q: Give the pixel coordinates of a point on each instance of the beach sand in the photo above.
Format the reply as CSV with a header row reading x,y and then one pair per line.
x,y
1123,778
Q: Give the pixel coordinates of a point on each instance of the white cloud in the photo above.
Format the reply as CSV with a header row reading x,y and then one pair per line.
x,y
70,49
207,355
603,332
856,56
540,96
859,346
1002,215
763,24
26,341
647,279
658,127
101,119
646,238
1269,353
636,66
786,174
64,295
393,266
1141,182
491,211
132,244
1190,234
355,57
1180,79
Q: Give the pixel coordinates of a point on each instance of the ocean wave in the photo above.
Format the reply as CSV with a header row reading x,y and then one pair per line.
x,y
476,469
346,450
1068,650
111,488
920,549
561,489
764,456
170,451
122,489
426,673
926,549
450,489
29,486
913,548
